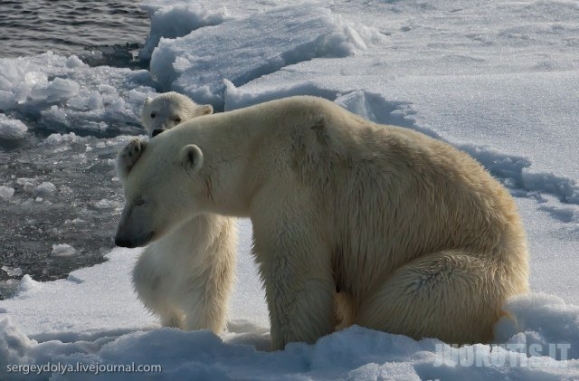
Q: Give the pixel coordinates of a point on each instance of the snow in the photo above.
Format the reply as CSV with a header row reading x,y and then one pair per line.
x,y
11,271
178,21
197,64
106,328
496,79
68,95
63,250
11,129
45,189
6,192
105,204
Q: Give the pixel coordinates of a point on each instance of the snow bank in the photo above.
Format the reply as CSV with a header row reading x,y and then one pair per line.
x,y
355,353
100,322
198,63
89,300
176,21
456,109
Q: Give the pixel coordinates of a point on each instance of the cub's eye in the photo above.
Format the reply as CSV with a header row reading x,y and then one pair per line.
x,y
177,119
138,201
153,115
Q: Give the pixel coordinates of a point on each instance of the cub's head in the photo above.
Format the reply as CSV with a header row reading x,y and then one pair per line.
x,y
163,189
168,110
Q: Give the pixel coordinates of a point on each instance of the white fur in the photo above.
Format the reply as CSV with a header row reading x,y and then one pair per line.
x,y
186,277
168,110
354,222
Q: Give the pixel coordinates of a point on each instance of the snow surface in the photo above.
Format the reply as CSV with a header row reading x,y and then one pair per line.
x,y
65,94
496,79
6,192
11,128
260,44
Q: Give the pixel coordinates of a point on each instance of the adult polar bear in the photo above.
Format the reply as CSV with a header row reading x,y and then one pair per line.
x,y
185,277
354,222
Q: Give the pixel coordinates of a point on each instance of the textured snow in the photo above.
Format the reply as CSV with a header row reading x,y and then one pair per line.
x,y
67,95
63,250
198,63
496,79
6,192
11,129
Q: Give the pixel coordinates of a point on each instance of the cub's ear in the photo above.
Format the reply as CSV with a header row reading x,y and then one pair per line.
x,y
206,110
129,156
147,101
191,158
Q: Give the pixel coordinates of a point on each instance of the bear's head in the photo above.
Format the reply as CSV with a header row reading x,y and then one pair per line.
x,y
168,110
163,188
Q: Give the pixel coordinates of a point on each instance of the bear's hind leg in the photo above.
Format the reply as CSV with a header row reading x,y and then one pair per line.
x,y
449,295
344,310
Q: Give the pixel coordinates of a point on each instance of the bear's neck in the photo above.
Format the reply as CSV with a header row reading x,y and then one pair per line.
x,y
246,148
235,153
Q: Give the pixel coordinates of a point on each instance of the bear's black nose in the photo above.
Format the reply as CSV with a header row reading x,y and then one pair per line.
x,y
156,132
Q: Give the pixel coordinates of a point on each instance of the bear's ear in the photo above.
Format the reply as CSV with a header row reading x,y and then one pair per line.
x,y
191,158
128,156
147,101
206,110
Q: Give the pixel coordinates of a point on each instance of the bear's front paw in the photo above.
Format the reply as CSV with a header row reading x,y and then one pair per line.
x,y
130,155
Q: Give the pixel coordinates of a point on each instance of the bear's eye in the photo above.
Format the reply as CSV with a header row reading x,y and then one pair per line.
x,y
153,115
139,201
177,119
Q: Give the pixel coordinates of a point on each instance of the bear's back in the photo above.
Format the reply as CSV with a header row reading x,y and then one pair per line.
x,y
392,192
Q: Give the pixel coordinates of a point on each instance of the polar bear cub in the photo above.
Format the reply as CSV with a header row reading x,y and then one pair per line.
x,y
186,277
168,110
353,222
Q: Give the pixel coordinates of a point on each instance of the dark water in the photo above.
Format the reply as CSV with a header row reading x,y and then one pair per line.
x,y
31,27
99,32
